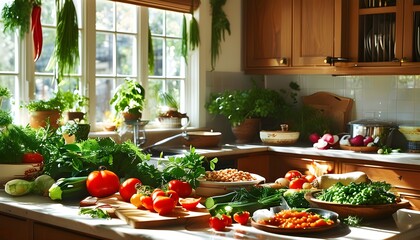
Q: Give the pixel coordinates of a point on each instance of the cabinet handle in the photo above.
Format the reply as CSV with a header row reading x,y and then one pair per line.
x,y
283,61
404,59
331,60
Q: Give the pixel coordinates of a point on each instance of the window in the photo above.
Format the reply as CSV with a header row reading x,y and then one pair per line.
x,y
108,54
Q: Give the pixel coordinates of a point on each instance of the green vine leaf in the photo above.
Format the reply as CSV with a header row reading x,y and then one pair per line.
x,y
219,25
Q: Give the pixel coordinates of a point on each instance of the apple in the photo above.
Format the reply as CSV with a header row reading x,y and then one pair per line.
x,y
367,140
357,140
314,137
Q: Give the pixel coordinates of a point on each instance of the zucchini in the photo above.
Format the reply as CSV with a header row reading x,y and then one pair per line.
x,y
234,207
18,187
211,201
72,188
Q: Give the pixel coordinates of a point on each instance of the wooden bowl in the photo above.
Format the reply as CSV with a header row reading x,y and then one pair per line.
x,y
364,211
279,137
203,139
361,149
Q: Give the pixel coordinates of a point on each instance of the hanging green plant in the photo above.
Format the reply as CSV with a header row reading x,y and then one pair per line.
x,y
67,38
184,45
194,31
219,25
17,16
150,53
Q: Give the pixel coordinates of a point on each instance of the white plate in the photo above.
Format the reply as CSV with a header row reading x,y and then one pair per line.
x,y
258,179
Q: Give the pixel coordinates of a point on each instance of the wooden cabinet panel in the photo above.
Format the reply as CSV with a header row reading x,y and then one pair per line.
x,y
267,30
13,228
47,232
258,164
313,31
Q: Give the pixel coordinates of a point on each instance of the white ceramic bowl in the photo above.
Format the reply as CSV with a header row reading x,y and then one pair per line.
x,y
279,137
203,139
19,170
407,219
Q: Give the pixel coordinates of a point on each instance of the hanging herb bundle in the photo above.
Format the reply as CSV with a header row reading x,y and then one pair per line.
x,y
219,25
17,16
194,31
184,44
150,53
67,37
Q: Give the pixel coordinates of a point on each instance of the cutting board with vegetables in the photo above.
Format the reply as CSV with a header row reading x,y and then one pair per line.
x,y
334,106
139,218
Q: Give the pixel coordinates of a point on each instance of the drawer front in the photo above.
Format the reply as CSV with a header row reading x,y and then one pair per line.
x,y
401,178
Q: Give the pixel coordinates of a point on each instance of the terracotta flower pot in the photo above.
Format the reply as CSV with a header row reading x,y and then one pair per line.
x,y
40,119
130,117
247,131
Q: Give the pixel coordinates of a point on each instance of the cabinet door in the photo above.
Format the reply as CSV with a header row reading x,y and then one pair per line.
x,y
267,26
46,232
411,41
13,228
314,33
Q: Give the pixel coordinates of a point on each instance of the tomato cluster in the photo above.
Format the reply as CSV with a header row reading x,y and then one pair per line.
x,y
220,222
297,180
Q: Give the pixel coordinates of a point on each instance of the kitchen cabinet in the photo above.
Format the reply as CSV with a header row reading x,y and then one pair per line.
x,y
291,36
384,36
16,228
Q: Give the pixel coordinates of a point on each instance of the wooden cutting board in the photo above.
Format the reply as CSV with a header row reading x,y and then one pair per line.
x,y
334,106
139,218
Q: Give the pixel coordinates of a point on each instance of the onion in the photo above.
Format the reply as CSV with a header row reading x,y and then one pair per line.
x,y
283,182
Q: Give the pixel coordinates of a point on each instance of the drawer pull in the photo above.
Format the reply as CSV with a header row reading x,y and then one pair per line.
x,y
400,177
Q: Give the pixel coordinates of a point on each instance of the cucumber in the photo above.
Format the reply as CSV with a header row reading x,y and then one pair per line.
x,y
72,188
211,201
18,187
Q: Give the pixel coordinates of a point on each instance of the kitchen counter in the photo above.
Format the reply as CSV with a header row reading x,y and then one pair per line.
x,y
65,215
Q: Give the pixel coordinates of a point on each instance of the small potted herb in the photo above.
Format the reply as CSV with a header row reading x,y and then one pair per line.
x,y
169,116
128,100
74,104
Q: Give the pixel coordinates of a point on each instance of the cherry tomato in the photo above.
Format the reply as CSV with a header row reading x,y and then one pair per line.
x,y
147,202
128,188
310,178
297,183
217,223
183,189
102,183
32,157
189,203
241,217
163,205
292,174
227,219
136,200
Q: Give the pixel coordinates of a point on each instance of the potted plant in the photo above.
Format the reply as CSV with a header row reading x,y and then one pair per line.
x,y
245,108
74,104
128,100
4,94
73,131
46,112
169,116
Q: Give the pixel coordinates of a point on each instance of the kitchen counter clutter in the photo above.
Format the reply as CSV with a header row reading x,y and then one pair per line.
x,y
62,219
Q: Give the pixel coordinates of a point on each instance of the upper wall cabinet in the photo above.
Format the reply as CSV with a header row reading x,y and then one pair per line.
x,y
291,36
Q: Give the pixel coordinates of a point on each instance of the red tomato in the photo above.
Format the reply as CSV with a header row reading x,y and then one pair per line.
x,y
241,217
156,193
163,205
183,189
173,195
147,202
310,178
217,223
32,158
297,183
189,203
102,183
292,174
128,188
227,219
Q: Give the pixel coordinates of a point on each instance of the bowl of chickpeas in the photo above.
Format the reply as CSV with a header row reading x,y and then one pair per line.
x,y
226,180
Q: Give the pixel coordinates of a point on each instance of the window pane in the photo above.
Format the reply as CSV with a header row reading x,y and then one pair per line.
x,y
8,43
104,88
104,53
48,13
126,18
44,87
174,61
105,15
158,53
9,82
41,64
156,21
173,24
126,55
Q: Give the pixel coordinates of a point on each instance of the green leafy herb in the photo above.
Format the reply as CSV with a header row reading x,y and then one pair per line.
x,y
219,25
95,213
17,16
184,44
150,53
194,36
352,221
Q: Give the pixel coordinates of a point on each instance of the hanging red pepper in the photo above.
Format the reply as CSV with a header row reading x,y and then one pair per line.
x,y
36,29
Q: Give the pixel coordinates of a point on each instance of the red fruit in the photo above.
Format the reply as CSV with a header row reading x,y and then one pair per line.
x,y
367,140
314,137
322,144
329,138
357,140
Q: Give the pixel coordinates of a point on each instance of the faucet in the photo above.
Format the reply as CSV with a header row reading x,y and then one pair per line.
x,y
183,134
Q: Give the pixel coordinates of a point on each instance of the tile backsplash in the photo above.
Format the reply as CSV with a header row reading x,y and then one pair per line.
x,y
387,98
